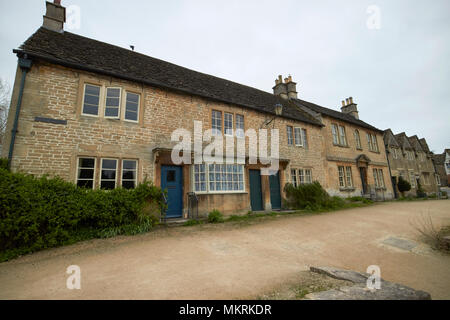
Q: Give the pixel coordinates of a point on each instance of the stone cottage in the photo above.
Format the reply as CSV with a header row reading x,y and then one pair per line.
x,y
102,116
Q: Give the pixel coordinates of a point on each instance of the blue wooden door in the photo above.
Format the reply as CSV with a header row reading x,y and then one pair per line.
x,y
275,192
255,190
172,180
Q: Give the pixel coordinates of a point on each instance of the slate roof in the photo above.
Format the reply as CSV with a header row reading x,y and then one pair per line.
x,y
79,52
389,139
403,140
424,145
415,143
335,114
439,159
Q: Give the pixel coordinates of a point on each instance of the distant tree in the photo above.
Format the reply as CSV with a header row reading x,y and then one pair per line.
x,y
403,186
5,96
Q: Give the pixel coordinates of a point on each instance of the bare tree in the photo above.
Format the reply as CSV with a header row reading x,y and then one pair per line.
x,y
5,96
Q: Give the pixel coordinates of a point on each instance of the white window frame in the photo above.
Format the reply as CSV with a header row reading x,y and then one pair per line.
x,y
208,191
294,179
290,130
299,130
438,179
124,107
394,153
308,176
335,134
240,132
342,136
78,169
105,98
412,179
358,140
100,99
101,169
136,172
215,131
225,114
349,177
341,176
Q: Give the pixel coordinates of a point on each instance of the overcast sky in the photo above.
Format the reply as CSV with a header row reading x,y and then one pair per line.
x,y
399,73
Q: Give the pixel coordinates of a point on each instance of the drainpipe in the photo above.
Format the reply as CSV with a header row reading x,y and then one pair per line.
x,y
25,66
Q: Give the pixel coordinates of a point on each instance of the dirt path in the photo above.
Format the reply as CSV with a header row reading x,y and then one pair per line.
x,y
229,261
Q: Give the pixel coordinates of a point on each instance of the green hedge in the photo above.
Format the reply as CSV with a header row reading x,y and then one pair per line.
x,y
312,197
37,213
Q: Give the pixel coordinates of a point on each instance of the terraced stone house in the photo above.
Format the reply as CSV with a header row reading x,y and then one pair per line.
x,y
102,116
411,159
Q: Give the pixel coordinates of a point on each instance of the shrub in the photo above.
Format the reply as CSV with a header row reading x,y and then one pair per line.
x,y
420,193
444,194
360,199
215,216
309,196
38,213
403,186
192,222
4,163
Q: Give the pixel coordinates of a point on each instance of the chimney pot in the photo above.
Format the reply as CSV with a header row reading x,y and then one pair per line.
x,y
58,2
349,107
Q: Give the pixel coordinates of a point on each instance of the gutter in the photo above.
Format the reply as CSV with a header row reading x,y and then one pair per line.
x,y
25,66
153,83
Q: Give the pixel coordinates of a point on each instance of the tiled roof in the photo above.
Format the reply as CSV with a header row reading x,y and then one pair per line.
x,y
336,114
79,52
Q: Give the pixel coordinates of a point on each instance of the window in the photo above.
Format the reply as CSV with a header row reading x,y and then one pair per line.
x,y
339,136
294,178
240,126
290,135
301,176
228,124
372,142
308,176
342,136
86,173
345,177
358,140
349,176
132,107
410,155
341,177
394,153
108,177
129,174
412,179
219,178
438,180
91,100
200,178
378,177
334,130
112,103
217,123
298,137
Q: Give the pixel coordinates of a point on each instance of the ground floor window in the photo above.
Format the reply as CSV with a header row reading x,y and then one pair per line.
x,y
378,178
438,180
86,173
113,173
345,177
301,176
412,179
218,178
426,179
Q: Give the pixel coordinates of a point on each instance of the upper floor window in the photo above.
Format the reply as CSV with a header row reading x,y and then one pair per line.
x,y
358,140
394,153
298,137
372,142
290,135
132,107
240,126
228,124
410,155
91,101
112,104
216,122
339,135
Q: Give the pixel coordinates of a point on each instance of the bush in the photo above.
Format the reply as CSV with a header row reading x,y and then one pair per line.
x,y
215,216
4,163
403,186
306,196
38,213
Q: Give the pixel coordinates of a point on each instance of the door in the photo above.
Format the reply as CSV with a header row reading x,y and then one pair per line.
x,y
255,190
363,172
275,192
172,180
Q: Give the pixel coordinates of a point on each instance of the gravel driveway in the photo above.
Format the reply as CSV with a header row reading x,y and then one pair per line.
x,y
238,261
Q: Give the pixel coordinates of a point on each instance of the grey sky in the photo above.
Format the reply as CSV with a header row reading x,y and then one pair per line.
x,y
399,75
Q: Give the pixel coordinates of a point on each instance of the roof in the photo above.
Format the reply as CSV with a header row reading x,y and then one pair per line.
x,y
389,139
415,143
335,114
424,145
79,52
403,140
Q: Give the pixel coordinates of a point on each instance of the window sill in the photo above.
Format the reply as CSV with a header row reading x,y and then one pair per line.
x,y
341,146
377,152
381,188
220,193
347,189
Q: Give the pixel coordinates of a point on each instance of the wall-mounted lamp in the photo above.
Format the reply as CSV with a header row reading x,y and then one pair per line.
x,y
278,112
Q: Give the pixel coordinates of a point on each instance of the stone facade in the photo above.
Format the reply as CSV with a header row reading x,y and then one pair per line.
x,y
442,166
411,159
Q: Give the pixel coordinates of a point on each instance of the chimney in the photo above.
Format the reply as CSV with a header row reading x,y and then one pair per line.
x,y
280,89
291,88
55,16
349,107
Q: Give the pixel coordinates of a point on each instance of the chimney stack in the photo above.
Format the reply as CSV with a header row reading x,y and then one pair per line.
x,y
55,16
286,90
349,107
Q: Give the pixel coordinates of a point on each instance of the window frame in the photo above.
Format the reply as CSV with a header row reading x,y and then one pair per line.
x,y
78,169
105,107
125,106
299,130
236,116
341,176
216,132
412,179
101,170
232,124
290,130
85,84
335,134
136,172
342,136
208,181
294,179
358,139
